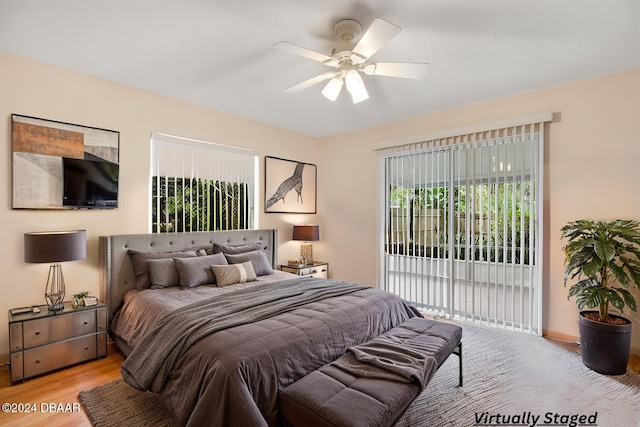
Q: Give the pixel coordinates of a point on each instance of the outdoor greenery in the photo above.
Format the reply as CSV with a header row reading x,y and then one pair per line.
x,y
605,258
497,217
182,205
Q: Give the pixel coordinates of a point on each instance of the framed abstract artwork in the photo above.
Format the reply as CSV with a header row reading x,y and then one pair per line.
x,y
38,147
290,186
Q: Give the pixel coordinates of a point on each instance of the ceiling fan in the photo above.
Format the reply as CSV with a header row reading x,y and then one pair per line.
x,y
350,59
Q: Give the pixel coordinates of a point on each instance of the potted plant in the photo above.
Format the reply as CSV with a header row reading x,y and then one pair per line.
x,y
604,258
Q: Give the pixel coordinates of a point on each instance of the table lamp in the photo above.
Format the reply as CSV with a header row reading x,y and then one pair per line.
x,y
55,247
306,233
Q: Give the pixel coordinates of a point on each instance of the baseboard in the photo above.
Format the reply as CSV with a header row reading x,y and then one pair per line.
x,y
560,336
574,339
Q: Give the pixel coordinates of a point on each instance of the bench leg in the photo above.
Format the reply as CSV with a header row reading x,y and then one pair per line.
x,y
458,352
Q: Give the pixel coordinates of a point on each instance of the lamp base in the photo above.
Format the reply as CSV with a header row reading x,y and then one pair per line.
x,y
55,290
306,253
53,306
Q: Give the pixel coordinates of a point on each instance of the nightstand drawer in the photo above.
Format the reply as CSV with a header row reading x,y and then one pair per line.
x,y
44,359
318,269
44,331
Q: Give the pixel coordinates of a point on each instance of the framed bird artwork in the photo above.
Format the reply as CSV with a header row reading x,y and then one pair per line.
x,y
290,186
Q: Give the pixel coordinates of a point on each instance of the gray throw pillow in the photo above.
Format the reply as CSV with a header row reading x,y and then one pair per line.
x,y
258,258
197,271
163,273
236,249
236,273
139,260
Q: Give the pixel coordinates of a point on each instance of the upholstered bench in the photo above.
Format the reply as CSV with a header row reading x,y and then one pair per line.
x,y
333,396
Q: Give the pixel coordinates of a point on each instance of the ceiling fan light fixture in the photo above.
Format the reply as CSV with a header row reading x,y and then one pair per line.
x,y
355,86
333,88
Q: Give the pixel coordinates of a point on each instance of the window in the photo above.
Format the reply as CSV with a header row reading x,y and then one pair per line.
x,y
200,186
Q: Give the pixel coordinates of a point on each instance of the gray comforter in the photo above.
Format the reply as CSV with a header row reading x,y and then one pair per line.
x,y
222,362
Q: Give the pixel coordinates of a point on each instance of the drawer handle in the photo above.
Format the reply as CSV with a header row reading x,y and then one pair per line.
x,y
86,348
37,361
86,323
37,332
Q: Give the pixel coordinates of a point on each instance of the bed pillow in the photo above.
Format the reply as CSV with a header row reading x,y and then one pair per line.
x,y
236,273
236,249
258,258
197,271
163,273
139,261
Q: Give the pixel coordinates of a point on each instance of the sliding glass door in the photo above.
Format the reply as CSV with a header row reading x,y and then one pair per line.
x,y
462,227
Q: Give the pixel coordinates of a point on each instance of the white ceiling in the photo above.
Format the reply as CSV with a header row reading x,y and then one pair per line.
x,y
218,53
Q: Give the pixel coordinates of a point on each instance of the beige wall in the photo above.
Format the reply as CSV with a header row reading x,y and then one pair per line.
x,y
592,170
591,155
34,89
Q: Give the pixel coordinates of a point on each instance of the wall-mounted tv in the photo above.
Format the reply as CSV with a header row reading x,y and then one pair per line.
x,y
89,183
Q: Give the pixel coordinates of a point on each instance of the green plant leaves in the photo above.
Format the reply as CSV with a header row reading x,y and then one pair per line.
x,y
606,254
605,249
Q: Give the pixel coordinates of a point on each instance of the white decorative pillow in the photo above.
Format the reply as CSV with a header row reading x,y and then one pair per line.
x,y
234,273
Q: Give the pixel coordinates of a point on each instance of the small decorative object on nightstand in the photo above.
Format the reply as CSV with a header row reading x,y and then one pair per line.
x,y
78,299
41,341
317,269
306,233
54,247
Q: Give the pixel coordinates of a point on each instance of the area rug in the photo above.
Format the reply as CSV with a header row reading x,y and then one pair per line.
x,y
517,379
510,379
117,404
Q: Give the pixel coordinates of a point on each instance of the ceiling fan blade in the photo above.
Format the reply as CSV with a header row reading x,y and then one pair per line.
x,y
306,53
312,81
407,70
378,34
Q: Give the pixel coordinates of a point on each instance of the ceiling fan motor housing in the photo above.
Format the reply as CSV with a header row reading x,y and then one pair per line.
x,y
347,29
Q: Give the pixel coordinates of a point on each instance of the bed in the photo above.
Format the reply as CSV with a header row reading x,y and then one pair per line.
x,y
219,354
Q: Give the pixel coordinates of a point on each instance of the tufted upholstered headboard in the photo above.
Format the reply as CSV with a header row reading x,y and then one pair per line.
x,y
116,271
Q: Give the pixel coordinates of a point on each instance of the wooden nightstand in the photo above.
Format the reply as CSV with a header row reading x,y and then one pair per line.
x,y
46,341
317,269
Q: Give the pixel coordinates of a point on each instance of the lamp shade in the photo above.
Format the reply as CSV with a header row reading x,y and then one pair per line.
x,y
55,246
307,233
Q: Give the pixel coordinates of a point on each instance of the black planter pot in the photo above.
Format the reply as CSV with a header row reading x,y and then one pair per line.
x,y
605,348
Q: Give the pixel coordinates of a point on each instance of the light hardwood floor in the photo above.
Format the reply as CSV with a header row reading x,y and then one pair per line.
x,y
59,387
63,387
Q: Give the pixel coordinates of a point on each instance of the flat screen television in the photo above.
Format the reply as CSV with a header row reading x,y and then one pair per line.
x,y
89,183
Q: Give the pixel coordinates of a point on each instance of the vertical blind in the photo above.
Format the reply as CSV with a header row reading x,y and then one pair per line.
x,y
200,186
461,223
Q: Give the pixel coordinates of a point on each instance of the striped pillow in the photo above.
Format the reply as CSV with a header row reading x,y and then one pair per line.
x,y
234,273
